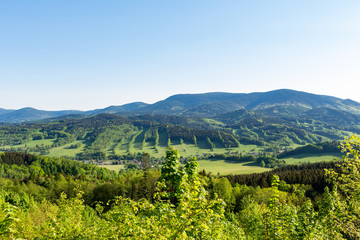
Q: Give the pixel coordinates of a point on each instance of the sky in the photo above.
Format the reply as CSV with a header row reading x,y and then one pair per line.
x,y
87,54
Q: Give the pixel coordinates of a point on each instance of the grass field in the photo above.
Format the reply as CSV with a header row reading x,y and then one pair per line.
x,y
125,146
186,150
224,168
65,151
312,158
215,167
115,168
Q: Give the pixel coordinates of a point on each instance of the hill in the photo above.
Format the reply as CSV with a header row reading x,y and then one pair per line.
x,y
283,101
194,104
110,136
30,114
116,109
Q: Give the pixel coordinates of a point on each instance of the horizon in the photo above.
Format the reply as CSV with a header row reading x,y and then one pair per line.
x,y
89,55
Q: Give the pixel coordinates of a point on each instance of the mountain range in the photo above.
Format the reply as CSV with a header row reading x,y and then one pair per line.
x,y
194,123
278,102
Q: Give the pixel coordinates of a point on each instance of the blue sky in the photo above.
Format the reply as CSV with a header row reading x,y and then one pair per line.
x,y
92,54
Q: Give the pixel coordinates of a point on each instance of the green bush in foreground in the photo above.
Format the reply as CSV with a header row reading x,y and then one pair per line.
x,y
184,209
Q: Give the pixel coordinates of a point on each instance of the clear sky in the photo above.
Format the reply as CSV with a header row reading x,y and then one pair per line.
x,y
88,54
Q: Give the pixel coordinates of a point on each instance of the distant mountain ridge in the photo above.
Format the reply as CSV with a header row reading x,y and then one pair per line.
x,y
3,111
177,104
115,109
282,101
31,114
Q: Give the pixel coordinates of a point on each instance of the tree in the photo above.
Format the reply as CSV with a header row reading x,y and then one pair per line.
x,y
194,215
225,190
346,213
131,166
181,210
145,161
262,163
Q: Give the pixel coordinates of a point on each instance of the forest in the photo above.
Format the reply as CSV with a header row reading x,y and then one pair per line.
x,y
56,198
113,137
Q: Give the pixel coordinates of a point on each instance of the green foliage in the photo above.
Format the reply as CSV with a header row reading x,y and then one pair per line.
x,y
195,140
346,213
107,136
131,143
224,189
324,147
270,161
194,216
62,199
169,142
157,137
262,163
7,218
146,135
211,145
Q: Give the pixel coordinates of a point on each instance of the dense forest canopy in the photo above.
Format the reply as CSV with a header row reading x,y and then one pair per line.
x,y
63,199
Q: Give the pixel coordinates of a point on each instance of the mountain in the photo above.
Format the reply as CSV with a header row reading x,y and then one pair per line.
x,y
283,102
3,111
116,109
211,109
204,104
180,102
237,115
283,110
30,114
333,116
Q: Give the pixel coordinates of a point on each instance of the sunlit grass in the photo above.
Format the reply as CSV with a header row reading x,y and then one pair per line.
x,y
33,143
65,151
311,158
224,168
115,168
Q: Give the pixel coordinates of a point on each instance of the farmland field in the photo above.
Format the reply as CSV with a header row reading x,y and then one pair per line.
x,y
188,150
115,168
224,168
312,158
66,151
33,143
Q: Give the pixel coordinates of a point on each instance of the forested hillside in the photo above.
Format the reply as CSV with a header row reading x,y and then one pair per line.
x,y
50,198
109,136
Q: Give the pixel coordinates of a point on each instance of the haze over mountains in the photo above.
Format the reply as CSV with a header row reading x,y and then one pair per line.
x,y
277,102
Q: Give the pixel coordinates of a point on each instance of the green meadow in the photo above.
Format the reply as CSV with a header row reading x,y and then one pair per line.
x,y
311,158
66,151
226,168
34,143
115,168
185,150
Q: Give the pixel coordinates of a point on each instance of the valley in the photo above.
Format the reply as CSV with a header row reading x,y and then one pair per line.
x,y
257,124
253,152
